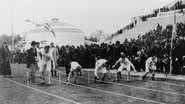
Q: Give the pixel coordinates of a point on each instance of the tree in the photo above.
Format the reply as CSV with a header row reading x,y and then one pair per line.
x,y
8,39
5,38
181,30
93,39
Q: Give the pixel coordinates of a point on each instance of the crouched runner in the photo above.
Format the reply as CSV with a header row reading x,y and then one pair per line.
x,y
124,64
100,67
150,66
75,68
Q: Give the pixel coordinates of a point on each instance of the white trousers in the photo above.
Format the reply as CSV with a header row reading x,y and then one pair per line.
x,y
102,70
148,67
45,66
124,67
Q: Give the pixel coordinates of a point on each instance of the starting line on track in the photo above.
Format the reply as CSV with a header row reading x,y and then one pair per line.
x,y
56,96
167,83
154,90
123,95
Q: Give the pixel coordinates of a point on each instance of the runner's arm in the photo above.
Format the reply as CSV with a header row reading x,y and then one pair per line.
x,y
116,63
132,65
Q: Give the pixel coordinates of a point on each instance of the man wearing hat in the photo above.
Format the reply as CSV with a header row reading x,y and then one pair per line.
x,y
5,68
31,61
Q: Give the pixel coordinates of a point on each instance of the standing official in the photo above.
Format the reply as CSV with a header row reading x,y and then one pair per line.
x,y
67,60
32,61
5,69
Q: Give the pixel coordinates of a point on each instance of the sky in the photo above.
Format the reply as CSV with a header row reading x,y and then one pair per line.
x,y
88,15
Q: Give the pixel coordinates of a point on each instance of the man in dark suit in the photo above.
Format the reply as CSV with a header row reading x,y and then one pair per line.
x,y
67,58
31,61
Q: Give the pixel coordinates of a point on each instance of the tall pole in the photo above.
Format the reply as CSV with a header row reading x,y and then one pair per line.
x,y
12,32
172,39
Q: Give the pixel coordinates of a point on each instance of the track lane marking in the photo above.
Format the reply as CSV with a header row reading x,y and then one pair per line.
x,y
123,95
154,90
59,97
167,83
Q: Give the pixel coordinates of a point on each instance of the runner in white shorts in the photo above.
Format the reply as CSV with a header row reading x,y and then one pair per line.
x,y
100,67
46,58
124,64
76,68
55,56
150,66
39,57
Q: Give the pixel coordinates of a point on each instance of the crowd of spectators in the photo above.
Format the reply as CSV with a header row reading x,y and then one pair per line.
x,y
156,42
18,57
177,6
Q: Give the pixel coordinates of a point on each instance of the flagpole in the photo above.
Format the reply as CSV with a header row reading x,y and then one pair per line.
x,y
172,39
12,33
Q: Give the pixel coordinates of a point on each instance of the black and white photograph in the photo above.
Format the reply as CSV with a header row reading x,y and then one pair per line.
x,y
92,52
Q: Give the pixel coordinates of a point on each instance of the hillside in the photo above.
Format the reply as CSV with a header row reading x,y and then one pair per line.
x,y
173,2
162,18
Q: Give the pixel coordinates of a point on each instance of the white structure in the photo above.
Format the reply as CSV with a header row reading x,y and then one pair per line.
x,y
66,34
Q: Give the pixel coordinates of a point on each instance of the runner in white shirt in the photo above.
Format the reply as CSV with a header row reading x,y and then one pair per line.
x,y
124,64
75,68
38,56
55,56
150,66
39,59
100,67
46,58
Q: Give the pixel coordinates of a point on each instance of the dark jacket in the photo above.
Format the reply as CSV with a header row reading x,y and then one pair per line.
x,y
31,57
5,68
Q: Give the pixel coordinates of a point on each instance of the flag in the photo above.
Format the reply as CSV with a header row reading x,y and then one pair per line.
x,y
48,27
27,20
36,24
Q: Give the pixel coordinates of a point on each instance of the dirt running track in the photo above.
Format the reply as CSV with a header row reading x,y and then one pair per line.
x,y
15,91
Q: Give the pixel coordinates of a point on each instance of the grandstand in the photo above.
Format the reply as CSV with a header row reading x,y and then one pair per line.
x,y
142,27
